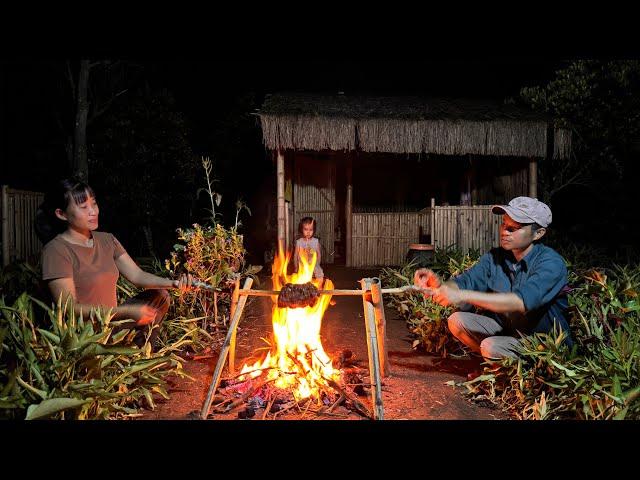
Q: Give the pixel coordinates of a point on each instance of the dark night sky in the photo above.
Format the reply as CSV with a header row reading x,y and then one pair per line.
x,y
492,77
209,94
201,86
207,90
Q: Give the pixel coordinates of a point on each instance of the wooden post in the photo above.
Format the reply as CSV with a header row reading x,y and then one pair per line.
x,y
433,222
233,325
18,225
372,348
281,205
234,305
533,177
348,212
381,325
287,226
5,225
29,230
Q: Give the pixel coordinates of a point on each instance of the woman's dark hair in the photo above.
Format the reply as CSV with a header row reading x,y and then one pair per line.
x,y
306,221
47,225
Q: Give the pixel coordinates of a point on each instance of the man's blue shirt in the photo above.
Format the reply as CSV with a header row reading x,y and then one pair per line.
x,y
538,279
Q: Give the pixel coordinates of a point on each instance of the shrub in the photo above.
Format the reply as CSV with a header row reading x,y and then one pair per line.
x,y
64,366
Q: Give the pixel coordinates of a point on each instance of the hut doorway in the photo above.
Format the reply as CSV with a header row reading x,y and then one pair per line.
x,y
314,195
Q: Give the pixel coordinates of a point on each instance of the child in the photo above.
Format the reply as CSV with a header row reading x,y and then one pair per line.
x,y
306,243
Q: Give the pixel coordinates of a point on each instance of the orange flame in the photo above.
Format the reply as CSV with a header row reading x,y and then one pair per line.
x,y
299,361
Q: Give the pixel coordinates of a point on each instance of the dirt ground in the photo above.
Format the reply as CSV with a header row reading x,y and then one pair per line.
x,y
415,390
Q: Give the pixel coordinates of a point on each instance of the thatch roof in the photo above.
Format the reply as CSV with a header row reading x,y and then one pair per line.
x,y
406,125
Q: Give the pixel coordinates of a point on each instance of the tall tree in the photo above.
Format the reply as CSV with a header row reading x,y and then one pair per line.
x,y
80,167
599,101
95,88
142,165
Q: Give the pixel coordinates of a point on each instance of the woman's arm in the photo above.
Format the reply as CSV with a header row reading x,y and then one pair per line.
x,y
66,288
142,279
139,277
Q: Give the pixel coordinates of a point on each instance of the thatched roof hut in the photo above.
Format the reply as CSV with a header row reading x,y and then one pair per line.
x,y
337,155
407,125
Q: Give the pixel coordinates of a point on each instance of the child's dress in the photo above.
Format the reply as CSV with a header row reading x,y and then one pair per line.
x,y
305,247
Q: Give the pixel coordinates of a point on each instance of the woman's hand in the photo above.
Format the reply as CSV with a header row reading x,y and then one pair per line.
x,y
184,283
146,314
426,278
142,314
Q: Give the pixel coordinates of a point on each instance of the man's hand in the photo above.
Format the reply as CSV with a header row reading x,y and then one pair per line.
x,y
184,283
426,278
445,296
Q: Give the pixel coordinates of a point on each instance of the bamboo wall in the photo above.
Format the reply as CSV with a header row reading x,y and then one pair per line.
x,y
314,195
466,227
19,240
498,181
384,238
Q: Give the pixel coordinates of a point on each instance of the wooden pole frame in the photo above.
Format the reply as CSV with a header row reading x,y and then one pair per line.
x,y
234,306
233,325
375,326
372,349
381,325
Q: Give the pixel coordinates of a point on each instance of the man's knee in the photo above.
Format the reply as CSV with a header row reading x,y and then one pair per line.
x,y
498,347
165,296
455,323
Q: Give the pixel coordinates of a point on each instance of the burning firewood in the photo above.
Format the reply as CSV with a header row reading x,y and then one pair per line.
x,y
243,398
358,405
340,400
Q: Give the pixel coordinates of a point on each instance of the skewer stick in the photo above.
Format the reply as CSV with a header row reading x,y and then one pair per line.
x,y
400,290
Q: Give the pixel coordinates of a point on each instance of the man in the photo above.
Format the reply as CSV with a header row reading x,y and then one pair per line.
x,y
520,286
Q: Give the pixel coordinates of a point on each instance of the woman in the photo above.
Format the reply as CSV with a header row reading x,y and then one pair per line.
x,y
82,263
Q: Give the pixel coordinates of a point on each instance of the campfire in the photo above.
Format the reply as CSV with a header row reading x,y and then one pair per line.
x,y
296,372
299,361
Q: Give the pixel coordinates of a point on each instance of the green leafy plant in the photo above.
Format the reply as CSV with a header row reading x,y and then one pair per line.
x,y
214,196
599,378
67,366
18,277
212,254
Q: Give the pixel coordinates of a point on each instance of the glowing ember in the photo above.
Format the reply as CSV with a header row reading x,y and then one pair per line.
x,y
299,362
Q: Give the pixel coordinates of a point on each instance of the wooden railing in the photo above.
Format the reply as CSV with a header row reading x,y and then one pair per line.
x,y
466,227
19,239
384,238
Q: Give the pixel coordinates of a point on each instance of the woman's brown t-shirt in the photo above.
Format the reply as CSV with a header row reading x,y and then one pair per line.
x,y
93,269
